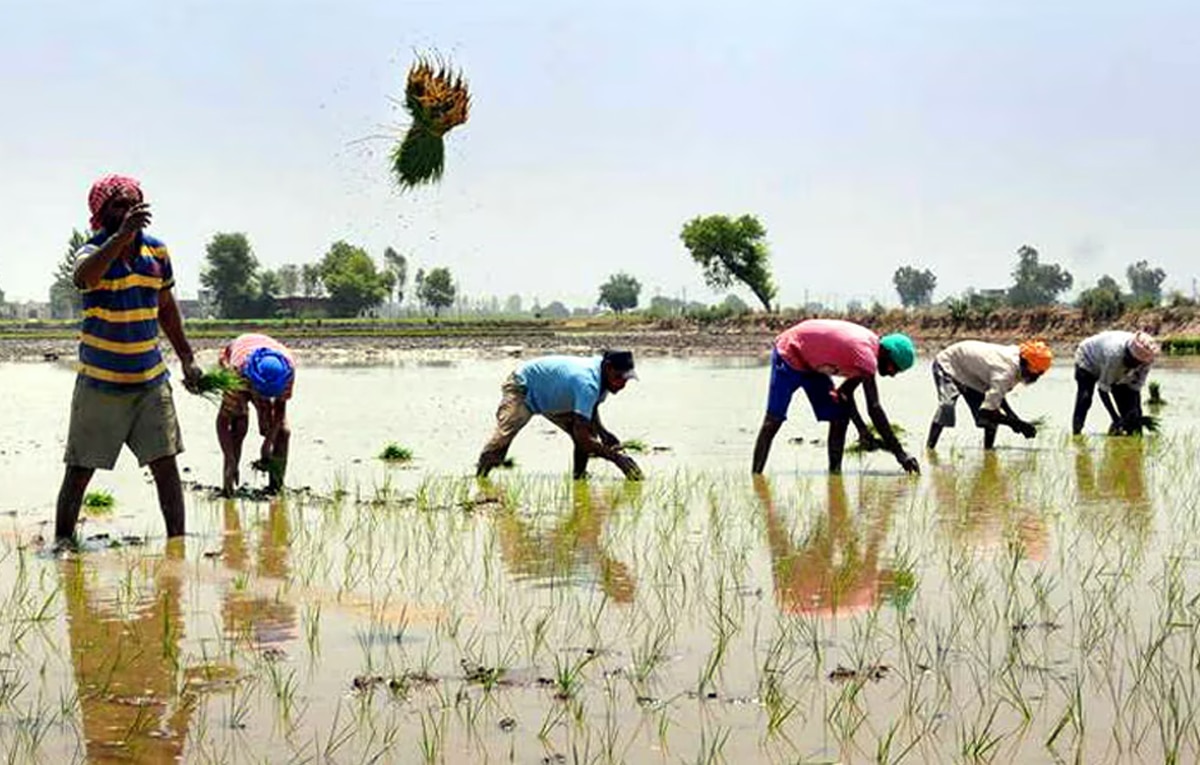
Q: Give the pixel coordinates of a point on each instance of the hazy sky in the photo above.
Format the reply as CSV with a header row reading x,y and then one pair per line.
x,y
865,135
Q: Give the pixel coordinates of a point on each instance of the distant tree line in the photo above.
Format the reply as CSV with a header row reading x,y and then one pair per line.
x,y
731,251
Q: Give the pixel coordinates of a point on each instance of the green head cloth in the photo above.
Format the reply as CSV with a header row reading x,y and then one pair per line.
x,y
901,350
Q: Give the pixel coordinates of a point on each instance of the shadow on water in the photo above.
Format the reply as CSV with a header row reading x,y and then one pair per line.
x,y
835,569
134,694
572,549
990,505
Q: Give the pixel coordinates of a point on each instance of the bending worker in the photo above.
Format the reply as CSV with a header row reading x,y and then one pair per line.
x,y
1119,363
567,390
269,371
983,374
806,355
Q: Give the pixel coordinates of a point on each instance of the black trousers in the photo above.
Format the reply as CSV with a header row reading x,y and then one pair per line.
x,y
1128,400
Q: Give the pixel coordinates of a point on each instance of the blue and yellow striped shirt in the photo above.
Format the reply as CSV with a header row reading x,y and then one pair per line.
x,y
118,342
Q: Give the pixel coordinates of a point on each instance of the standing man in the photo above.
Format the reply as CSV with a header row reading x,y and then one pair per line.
x,y
567,390
121,394
806,355
269,371
1118,362
983,374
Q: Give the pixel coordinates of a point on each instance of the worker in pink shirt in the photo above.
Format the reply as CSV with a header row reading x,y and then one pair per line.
x,y
269,371
808,355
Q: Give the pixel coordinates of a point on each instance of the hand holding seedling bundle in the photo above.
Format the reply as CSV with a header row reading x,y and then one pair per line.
x,y
437,100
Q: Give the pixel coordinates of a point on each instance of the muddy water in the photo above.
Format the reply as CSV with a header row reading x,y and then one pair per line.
x,y
408,613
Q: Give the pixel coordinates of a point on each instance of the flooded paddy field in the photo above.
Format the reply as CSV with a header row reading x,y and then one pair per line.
x,y
1035,604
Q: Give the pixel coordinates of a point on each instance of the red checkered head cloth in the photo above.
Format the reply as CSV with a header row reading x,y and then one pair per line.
x,y
105,189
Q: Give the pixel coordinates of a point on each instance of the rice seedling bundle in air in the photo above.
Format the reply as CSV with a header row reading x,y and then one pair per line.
x,y
218,381
436,98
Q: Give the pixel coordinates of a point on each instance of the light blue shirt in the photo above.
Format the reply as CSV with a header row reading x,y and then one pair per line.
x,y
560,384
1103,355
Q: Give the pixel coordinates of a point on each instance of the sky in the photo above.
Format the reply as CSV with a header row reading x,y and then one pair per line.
x,y
864,135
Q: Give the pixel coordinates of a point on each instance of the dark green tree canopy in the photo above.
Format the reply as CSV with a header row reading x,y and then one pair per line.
x,y
731,250
437,289
1145,282
620,292
1104,302
1036,283
914,287
352,281
231,273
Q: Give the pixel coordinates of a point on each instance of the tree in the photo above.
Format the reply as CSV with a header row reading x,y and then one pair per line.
x,y
65,300
310,280
352,281
1036,283
231,273
731,250
289,280
512,306
735,305
436,289
270,288
914,287
1104,302
620,292
418,283
1,297
1145,283
397,266
556,310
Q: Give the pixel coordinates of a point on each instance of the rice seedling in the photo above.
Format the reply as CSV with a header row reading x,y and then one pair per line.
x,y
218,381
635,446
1155,394
395,453
437,100
100,502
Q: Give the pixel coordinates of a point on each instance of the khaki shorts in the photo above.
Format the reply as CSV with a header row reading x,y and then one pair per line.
x,y
103,421
513,414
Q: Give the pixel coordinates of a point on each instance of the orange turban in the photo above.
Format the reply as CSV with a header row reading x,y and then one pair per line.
x,y
1037,356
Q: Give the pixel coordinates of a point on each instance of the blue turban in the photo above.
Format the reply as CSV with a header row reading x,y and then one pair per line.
x,y
268,372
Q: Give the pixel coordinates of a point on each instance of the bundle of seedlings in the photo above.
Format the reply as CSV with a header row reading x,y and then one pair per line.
x,y
216,382
436,98
873,442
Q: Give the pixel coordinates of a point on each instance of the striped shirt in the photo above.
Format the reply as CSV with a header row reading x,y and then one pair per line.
x,y
237,353
118,341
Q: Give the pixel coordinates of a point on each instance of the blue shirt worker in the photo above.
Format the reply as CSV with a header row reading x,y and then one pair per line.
x,y
1118,363
567,390
122,396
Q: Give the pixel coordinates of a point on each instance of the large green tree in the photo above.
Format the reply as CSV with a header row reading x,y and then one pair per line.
x,y
1145,283
1104,302
914,287
620,292
730,250
397,265
436,289
231,273
65,301
352,281
1036,283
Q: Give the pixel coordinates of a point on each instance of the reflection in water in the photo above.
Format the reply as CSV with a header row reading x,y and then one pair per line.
x,y
572,551
990,509
834,570
126,660
1114,490
262,619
